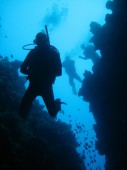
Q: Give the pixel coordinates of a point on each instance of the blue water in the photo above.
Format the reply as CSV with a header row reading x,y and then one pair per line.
x,y
68,23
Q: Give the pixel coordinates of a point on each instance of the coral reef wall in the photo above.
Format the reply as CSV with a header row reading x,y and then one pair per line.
x,y
106,88
38,142
11,85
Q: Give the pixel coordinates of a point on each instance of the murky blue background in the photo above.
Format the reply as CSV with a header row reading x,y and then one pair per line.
x,y
68,25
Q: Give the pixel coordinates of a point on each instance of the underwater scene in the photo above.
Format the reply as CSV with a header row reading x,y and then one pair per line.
x,y
63,85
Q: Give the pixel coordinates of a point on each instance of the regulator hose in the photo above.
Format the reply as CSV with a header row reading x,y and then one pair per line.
x,y
25,46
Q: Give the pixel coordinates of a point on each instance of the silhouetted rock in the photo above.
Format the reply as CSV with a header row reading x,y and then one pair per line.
x,y
38,142
106,87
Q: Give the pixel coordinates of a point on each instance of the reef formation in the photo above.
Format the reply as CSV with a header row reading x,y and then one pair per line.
x,y
39,142
106,88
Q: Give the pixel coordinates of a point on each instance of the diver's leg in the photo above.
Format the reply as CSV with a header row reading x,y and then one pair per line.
x,y
71,81
76,76
26,102
48,97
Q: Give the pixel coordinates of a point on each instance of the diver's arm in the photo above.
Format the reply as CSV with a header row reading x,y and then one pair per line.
x,y
60,66
25,65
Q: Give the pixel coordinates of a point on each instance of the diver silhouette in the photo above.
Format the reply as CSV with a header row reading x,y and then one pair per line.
x,y
69,66
90,53
42,65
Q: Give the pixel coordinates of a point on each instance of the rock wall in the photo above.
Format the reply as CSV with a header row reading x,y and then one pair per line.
x,y
106,88
38,142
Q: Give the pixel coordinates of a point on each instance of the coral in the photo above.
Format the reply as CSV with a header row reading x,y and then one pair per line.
x,y
38,142
10,82
106,88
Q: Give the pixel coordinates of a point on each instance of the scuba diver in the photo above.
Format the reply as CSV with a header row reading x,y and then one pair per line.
x,y
90,53
69,66
42,65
